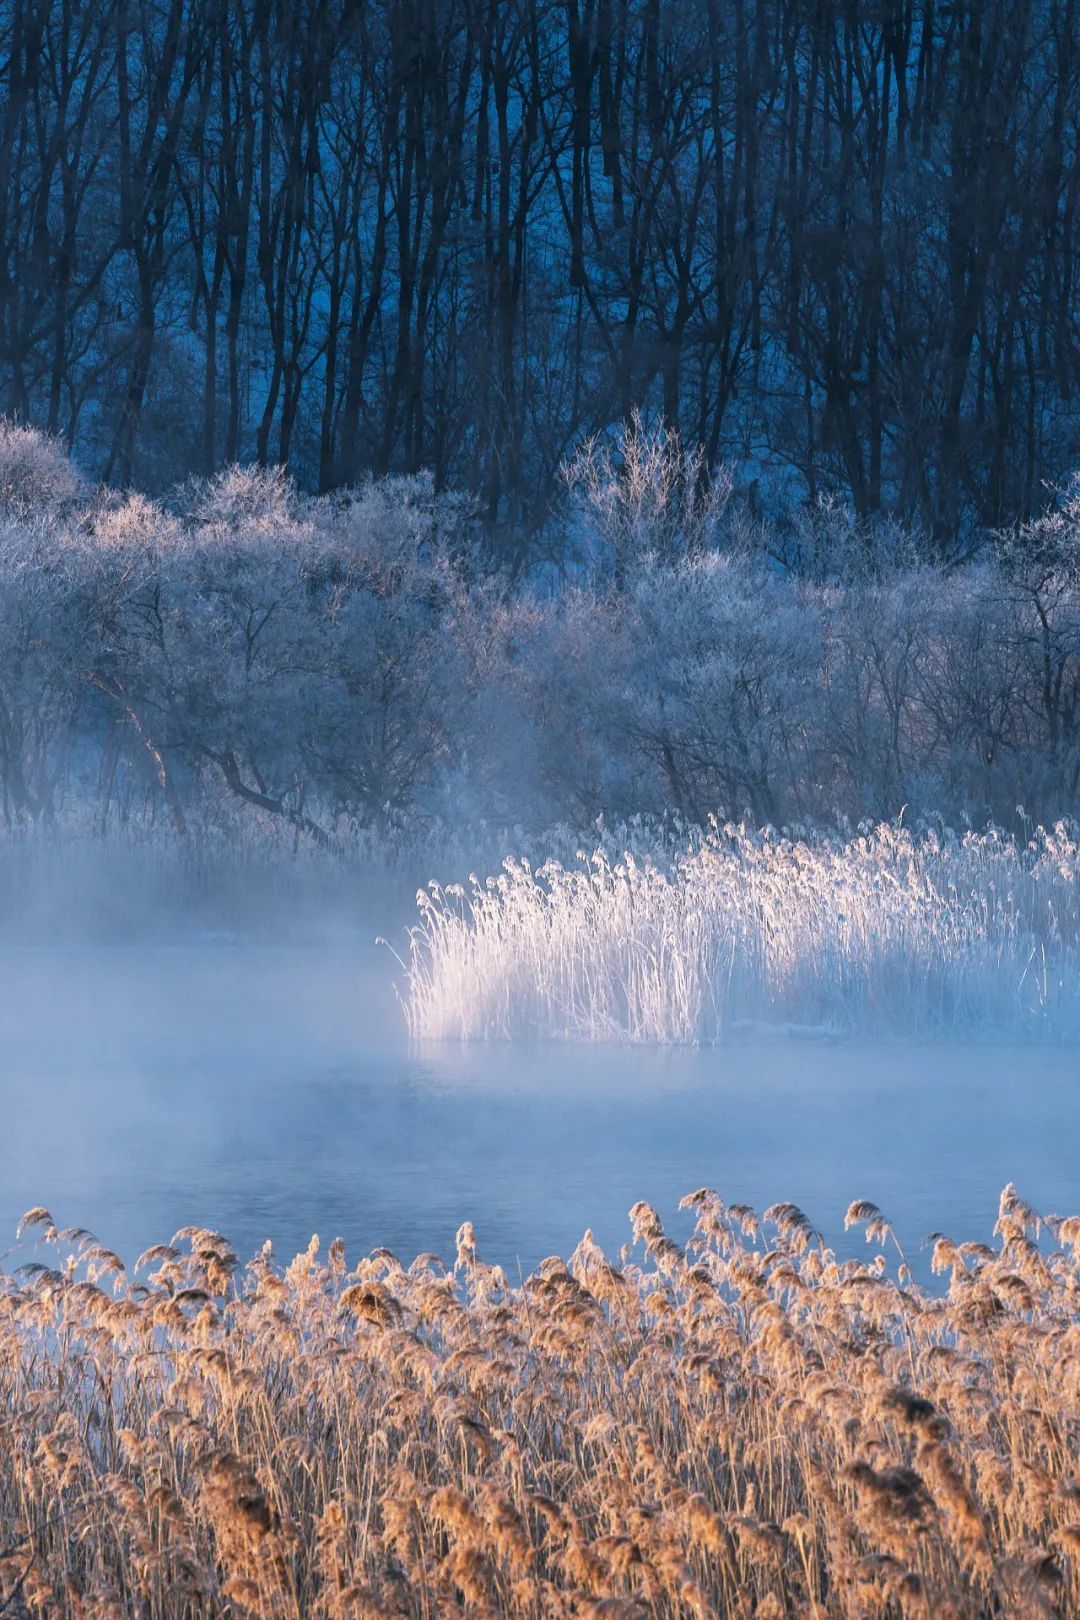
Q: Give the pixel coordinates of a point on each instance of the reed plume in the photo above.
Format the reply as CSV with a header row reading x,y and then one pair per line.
x,y
742,1424
887,932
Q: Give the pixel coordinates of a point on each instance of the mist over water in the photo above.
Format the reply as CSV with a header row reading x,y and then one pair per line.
x,y
264,1083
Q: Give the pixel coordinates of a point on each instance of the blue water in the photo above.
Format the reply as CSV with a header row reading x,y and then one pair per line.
x,y
271,1092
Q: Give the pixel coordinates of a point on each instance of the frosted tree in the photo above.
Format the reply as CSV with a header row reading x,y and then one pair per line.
x,y
646,495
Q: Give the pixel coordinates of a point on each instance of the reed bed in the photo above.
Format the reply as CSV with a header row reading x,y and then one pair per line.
x,y
890,932
739,1425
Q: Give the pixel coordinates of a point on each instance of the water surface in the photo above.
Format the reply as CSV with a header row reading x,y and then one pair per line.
x,y
271,1092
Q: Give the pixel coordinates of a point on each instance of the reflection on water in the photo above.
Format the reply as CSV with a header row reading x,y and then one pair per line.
x,y
272,1093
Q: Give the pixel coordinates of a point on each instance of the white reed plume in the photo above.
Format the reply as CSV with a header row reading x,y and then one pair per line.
x,y
886,932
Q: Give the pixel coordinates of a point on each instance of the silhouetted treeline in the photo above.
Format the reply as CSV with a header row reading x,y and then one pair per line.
x,y
832,241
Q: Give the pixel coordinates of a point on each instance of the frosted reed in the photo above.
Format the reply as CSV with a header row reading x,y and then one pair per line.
x,y
887,932
742,1426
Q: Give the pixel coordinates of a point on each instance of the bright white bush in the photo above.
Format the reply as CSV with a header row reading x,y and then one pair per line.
x,y
243,501
36,474
647,495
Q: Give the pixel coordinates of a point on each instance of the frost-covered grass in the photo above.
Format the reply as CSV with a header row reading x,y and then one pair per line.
x,y
742,1429
747,1428
889,932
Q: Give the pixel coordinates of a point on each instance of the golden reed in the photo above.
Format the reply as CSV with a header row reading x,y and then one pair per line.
x,y
738,1425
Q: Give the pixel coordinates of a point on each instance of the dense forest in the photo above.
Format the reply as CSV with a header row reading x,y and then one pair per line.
x,y
833,242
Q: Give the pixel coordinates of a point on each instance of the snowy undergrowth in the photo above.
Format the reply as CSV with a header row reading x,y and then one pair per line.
x,y
890,932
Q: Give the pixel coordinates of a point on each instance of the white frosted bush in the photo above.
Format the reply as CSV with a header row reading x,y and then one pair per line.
x,y
36,474
243,502
647,494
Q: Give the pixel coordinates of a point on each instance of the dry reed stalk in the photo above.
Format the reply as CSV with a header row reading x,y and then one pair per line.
x,y
745,1426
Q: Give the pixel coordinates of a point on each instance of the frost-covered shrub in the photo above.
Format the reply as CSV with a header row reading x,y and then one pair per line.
x,y
38,696
314,642
647,495
826,542
726,655
242,502
37,477
354,659
1041,569
402,516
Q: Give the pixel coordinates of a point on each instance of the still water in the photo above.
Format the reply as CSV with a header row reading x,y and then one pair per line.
x,y
271,1092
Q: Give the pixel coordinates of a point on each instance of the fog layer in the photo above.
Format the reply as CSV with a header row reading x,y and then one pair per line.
x,y
271,1091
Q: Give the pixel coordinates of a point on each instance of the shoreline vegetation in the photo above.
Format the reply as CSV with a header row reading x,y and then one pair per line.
x,y
643,931
882,932
238,654
743,1425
